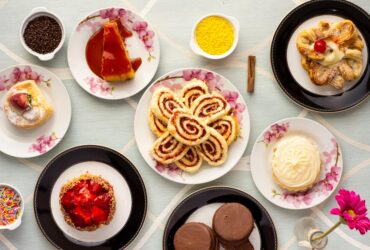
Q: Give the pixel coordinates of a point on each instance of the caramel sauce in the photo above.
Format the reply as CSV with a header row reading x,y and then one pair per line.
x,y
94,49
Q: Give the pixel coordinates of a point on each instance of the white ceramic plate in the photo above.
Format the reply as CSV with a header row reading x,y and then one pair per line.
x,y
143,43
122,196
27,143
331,157
294,60
205,215
174,80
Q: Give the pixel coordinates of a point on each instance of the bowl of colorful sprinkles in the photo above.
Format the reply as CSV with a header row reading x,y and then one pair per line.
x,y
11,207
215,36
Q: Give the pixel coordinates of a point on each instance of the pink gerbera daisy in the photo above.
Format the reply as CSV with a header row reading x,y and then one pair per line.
x,y
352,210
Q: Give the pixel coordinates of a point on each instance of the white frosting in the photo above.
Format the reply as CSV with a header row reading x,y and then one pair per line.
x,y
296,161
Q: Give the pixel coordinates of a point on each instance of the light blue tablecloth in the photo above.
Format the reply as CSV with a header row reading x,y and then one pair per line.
x,y
111,123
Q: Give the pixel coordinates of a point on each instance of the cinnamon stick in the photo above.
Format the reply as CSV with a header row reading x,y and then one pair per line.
x,y
251,73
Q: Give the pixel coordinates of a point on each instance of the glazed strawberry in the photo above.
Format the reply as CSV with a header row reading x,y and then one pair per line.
x,y
21,101
103,201
98,215
87,202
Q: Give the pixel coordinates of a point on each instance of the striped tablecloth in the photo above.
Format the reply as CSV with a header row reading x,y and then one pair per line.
x,y
111,123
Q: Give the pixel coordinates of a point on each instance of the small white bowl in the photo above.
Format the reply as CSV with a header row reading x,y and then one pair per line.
x,y
197,50
36,12
18,222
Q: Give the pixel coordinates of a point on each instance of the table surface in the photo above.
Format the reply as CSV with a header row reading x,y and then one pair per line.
x,y
95,121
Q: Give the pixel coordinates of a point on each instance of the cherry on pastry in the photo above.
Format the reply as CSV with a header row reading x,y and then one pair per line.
x,y
21,101
320,46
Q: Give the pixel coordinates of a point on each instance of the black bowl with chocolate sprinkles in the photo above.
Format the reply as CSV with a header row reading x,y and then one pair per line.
x,y
42,34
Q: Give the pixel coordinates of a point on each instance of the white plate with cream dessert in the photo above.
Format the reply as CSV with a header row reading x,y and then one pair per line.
x,y
35,111
192,126
113,53
296,163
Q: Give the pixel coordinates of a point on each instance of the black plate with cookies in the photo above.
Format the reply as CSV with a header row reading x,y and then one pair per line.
x,y
207,218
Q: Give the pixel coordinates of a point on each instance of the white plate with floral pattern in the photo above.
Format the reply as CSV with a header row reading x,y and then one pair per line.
x,y
27,143
331,157
143,43
175,80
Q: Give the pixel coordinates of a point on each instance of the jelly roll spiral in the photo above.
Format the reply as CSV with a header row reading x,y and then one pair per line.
x,y
191,161
166,149
228,127
187,128
163,102
157,126
214,150
210,107
192,90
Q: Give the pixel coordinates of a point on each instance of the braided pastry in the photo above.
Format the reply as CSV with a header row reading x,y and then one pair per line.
x,y
228,127
163,102
341,58
214,150
187,128
166,149
191,161
192,90
210,107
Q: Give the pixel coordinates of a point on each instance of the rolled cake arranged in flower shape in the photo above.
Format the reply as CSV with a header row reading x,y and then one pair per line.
x,y
192,125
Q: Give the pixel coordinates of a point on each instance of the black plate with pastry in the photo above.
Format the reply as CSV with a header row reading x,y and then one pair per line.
x,y
219,218
319,55
90,197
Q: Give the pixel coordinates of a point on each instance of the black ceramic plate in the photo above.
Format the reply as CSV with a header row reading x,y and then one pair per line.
x,y
333,103
219,195
45,183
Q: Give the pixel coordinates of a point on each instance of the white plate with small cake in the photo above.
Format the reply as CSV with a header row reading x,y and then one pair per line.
x,y
296,163
192,126
35,111
113,53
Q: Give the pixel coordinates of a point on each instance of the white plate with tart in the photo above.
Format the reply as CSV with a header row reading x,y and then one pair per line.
x,y
192,126
296,163
90,196
113,53
35,111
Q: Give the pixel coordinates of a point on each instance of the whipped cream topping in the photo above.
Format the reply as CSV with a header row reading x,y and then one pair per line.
x,y
296,161
16,116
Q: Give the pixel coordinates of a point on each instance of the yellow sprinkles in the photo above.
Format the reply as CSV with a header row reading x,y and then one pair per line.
x,y
214,35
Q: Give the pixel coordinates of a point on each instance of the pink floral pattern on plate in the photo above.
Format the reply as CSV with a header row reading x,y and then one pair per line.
x,y
17,75
171,169
128,20
275,132
323,187
98,85
44,143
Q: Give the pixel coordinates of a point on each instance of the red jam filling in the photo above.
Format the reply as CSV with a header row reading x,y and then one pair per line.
x,y
87,204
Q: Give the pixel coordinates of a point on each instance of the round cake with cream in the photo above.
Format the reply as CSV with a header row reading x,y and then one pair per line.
x,y
296,163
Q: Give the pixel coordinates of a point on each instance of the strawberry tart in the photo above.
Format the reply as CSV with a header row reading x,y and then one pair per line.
x,y
87,202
